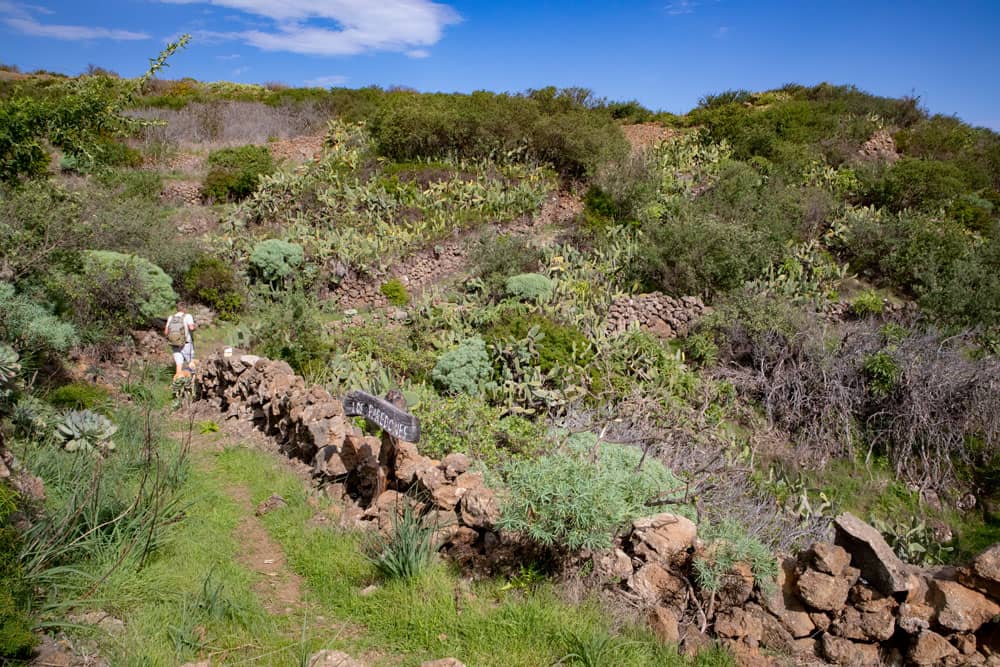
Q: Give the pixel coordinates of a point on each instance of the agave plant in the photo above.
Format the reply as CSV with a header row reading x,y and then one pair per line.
x,y
86,430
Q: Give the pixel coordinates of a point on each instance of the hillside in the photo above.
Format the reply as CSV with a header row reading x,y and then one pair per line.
x,y
750,330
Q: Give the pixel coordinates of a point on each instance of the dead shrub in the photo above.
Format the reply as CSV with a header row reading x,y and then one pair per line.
x,y
935,407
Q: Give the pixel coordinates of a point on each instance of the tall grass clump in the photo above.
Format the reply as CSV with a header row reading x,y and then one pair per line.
x,y
103,513
408,550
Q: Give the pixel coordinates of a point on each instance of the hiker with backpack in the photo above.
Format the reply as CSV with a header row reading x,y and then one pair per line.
x,y
178,332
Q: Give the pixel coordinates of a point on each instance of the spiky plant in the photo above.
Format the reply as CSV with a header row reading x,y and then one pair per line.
x,y
85,430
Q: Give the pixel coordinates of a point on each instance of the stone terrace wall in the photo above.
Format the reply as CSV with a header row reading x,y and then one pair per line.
x,y
664,315
851,602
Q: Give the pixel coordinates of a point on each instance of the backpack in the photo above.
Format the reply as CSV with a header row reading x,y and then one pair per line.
x,y
175,331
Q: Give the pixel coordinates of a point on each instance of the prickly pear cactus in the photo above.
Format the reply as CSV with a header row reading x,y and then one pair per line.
x,y
85,430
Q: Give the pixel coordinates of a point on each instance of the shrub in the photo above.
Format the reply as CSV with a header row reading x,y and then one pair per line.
x,y
529,287
114,293
497,257
580,495
395,292
882,372
274,261
703,255
79,396
465,369
866,304
233,172
469,425
289,326
727,544
916,183
31,327
214,283
549,125
701,348
559,344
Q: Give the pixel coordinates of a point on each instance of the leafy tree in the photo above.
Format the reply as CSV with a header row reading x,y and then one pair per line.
x,y
79,116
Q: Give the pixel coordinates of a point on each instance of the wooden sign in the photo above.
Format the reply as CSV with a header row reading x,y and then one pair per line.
x,y
383,414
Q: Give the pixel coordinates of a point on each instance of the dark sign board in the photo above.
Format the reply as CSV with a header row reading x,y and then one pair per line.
x,y
383,414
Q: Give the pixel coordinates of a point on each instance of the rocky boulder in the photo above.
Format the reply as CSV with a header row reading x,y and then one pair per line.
x,y
663,538
872,555
842,651
823,591
930,648
960,608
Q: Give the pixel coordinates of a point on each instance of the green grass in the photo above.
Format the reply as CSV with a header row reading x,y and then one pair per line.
x,y
418,617
194,600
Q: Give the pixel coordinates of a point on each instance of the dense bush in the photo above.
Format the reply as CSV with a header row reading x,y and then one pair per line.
x,y
529,287
155,296
31,328
214,283
395,292
465,369
233,172
915,183
289,326
559,344
693,254
930,257
79,396
274,261
580,495
549,125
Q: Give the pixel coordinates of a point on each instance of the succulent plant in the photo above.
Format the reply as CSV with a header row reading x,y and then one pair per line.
x,y
9,366
86,430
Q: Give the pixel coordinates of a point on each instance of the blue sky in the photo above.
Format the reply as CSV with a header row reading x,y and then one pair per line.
x,y
665,54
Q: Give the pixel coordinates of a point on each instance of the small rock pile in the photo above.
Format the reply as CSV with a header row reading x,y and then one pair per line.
x,y
850,602
663,315
880,147
297,149
373,475
186,193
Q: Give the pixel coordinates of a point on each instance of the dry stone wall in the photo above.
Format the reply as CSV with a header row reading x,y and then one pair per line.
x,y
849,602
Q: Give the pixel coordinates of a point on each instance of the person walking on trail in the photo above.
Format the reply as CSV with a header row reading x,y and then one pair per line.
x,y
178,332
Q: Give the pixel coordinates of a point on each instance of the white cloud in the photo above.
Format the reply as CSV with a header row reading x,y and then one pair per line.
x,y
681,7
722,32
341,27
326,81
70,32
231,56
20,18
419,53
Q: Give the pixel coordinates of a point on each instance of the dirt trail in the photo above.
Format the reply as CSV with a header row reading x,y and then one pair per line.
x,y
279,589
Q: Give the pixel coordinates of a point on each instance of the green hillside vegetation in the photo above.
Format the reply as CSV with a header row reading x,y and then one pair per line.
x,y
849,361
